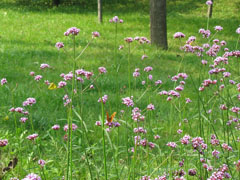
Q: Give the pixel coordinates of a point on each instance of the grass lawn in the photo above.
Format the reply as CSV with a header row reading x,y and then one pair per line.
x,y
27,39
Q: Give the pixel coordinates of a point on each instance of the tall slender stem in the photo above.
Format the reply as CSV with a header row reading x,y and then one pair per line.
x,y
104,148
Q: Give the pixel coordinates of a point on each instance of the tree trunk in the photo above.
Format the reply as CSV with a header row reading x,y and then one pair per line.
x,y
100,11
210,9
158,22
56,2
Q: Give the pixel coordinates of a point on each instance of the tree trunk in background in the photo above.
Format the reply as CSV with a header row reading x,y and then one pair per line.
x,y
210,9
158,22
100,11
56,2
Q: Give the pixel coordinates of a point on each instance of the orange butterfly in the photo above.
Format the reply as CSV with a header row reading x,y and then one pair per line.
x,y
110,119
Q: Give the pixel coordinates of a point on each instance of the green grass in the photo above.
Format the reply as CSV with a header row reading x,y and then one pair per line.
x,y
27,39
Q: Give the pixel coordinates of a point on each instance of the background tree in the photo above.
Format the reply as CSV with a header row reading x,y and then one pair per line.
x,y
100,11
158,23
56,2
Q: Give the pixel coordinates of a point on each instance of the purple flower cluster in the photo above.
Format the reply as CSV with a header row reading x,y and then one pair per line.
x,y
32,137
72,31
32,176
103,99
3,81
3,142
128,101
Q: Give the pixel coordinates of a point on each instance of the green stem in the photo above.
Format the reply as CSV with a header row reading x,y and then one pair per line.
x,y
104,148
129,73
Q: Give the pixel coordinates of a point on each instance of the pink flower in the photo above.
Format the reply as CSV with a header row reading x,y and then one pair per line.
x,y
12,109
23,119
144,56
91,86
172,144
19,109
185,139
61,84
30,101
179,35
102,70
204,62
121,47
74,127
148,69
136,74
95,34
150,107
41,163
179,88
120,21
56,127
151,145
38,78
115,19
68,76
150,77
47,82
179,131
169,98
158,82
43,66
156,136
218,28
32,73
215,153
129,39
32,137
98,123
188,100
143,82
209,3
59,45
3,81
103,99
128,101
3,142
73,31
238,30
32,177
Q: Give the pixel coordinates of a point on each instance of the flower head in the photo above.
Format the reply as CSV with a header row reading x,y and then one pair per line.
x,y
74,127
32,137
32,176
95,34
3,81
103,99
209,3
59,45
3,142
43,66
41,163
218,28
238,30
102,70
73,30
128,101
56,127
179,35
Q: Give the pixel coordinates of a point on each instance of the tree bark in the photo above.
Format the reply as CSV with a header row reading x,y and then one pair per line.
x,y
210,9
100,11
56,2
158,21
